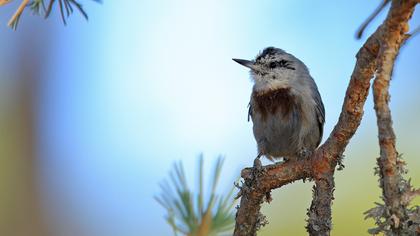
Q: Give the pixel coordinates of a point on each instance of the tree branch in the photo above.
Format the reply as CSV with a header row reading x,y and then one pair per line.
x,y
258,182
390,165
387,162
321,165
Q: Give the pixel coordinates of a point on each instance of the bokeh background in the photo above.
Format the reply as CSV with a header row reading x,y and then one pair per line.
x,y
93,115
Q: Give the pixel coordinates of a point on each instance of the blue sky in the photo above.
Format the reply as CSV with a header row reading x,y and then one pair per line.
x,y
146,83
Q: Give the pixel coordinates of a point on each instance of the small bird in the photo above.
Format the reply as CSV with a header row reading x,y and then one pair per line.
x,y
286,108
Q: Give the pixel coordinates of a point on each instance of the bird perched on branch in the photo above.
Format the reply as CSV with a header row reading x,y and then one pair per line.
x,y
286,108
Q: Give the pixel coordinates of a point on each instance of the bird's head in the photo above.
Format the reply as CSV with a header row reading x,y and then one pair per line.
x,y
274,68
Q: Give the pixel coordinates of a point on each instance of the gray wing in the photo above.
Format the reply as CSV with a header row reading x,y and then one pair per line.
x,y
320,113
249,110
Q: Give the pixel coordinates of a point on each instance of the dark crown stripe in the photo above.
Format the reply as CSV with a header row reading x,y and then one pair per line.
x,y
269,52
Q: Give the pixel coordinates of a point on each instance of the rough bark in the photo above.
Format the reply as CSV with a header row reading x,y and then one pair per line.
x,y
387,162
259,181
391,182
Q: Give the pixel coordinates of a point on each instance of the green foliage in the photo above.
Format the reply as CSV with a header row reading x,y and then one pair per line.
x,y
188,213
36,6
45,7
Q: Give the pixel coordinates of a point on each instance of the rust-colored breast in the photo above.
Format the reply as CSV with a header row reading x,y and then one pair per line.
x,y
272,101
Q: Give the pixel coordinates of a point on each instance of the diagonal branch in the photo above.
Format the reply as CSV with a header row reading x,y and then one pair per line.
x,y
321,165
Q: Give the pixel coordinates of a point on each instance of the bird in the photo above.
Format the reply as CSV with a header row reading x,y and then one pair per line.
x,y
286,108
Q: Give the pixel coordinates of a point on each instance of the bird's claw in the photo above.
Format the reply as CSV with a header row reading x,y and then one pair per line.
x,y
257,162
304,153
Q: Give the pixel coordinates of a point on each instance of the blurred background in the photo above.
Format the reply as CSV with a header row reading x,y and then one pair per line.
x,y
93,114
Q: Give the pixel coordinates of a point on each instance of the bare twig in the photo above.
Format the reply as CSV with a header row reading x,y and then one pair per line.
x,y
321,165
371,18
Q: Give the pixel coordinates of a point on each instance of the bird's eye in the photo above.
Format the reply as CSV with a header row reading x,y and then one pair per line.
x,y
273,65
284,63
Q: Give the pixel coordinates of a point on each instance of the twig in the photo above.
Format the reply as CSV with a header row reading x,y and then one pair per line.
x,y
321,165
18,13
371,17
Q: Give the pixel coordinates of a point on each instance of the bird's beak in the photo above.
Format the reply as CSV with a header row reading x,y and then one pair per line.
x,y
246,63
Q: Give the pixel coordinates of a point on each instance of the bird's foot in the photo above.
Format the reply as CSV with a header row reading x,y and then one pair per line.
x,y
257,168
257,162
304,153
